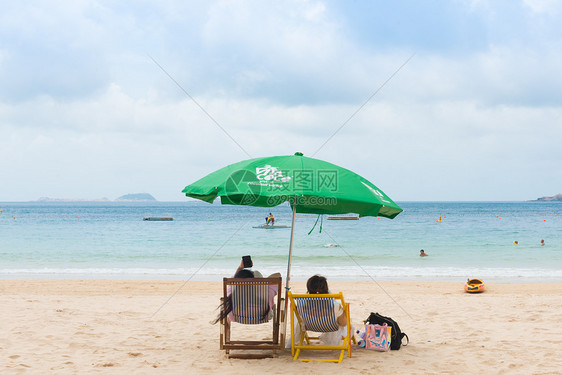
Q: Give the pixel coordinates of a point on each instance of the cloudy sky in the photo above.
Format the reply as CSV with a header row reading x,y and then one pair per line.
x,y
88,108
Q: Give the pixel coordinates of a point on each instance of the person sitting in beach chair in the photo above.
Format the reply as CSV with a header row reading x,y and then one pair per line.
x,y
249,298
322,312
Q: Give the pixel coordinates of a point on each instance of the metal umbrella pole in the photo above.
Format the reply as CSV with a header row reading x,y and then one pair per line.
x,y
288,279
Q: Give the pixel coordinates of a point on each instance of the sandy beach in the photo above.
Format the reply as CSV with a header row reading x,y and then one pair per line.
x,y
142,327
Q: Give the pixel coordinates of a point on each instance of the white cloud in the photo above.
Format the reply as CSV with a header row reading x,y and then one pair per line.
x,y
84,112
543,6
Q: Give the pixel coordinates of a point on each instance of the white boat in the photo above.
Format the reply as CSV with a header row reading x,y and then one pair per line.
x,y
343,217
265,226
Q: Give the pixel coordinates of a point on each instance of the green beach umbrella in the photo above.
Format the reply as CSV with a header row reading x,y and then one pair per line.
x,y
318,187
310,185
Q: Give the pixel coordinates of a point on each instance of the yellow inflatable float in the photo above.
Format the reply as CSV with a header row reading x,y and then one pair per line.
x,y
474,286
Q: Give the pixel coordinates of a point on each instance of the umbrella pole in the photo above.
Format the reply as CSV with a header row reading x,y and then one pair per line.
x,y
288,279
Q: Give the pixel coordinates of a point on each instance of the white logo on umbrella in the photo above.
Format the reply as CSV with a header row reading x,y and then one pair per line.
x,y
269,173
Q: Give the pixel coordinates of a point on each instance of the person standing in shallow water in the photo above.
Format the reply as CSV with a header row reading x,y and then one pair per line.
x,y
422,253
270,219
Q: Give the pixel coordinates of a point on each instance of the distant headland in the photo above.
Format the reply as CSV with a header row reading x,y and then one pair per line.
x,y
557,197
138,197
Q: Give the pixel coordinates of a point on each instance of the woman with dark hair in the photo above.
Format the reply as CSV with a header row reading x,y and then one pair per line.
x,y
319,285
244,273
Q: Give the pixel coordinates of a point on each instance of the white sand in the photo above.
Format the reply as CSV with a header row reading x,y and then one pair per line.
x,y
97,326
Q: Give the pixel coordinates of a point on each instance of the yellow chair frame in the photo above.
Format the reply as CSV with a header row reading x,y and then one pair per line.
x,y
306,340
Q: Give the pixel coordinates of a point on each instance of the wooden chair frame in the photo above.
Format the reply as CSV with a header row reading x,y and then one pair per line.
x,y
306,340
272,346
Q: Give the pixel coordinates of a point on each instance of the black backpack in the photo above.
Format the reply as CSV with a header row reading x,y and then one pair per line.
x,y
396,334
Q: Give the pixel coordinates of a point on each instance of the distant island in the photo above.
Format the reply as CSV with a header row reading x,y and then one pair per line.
x,y
557,197
139,197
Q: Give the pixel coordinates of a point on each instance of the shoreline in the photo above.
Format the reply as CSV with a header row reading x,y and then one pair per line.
x,y
152,287
155,287
137,326
295,278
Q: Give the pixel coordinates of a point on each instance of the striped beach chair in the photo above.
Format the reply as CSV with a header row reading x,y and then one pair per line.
x,y
315,313
250,306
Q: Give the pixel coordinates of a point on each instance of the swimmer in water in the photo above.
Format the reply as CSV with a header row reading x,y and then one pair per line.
x,y
422,253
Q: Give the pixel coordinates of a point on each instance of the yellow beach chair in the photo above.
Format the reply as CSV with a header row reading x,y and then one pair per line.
x,y
250,306
315,313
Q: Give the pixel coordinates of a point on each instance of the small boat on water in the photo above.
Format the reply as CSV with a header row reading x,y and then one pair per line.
x,y
266,226
343,217
474,286
157,218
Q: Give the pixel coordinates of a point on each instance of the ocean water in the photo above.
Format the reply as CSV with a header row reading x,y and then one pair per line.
x,y
109,240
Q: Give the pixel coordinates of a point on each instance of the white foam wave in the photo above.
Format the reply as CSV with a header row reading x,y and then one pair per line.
x,y
298,273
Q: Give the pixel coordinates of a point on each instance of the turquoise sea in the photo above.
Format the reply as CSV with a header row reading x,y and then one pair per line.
x,y
205,242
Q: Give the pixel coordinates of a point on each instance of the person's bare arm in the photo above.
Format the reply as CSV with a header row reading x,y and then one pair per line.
x,y
240,267
342,320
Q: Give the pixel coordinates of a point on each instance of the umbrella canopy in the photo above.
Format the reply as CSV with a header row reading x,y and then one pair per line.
x,y
317,187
